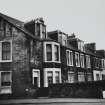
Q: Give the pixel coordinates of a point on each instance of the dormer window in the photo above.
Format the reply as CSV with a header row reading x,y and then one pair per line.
x,y
81,45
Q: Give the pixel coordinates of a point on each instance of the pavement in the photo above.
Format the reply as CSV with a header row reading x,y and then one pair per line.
x,y
51,101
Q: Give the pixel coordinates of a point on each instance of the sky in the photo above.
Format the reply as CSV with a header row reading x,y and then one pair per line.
x,y
85,18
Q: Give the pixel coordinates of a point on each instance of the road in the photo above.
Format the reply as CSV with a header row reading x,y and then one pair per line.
x,y
53,101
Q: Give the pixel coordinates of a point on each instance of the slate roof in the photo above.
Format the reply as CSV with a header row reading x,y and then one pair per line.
x,y
18,24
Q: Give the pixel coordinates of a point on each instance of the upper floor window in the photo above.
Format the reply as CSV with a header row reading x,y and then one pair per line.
x,y
82,60
5,51
77,59
52,52
88,64
97,63
49,52
102,63
69,56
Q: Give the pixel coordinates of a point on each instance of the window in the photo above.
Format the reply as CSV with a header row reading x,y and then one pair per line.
x,y
52,52
57,79
50,77
81,77
97,63
97,77
43,31
69,56
103,63
81,45
88,65
71,77
89,76
82,60
38,29
56,52
6,51
6,78
77,59
36,78
49,52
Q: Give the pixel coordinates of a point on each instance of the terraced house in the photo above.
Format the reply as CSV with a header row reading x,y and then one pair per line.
x,y
31,57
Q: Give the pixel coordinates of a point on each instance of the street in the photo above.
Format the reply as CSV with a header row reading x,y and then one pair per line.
x,y
53,101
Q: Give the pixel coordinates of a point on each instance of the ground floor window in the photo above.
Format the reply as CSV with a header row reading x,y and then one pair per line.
x,y
103,76
57,76
89,76
71,77
36,77
52,76
81,77
5,82
97,77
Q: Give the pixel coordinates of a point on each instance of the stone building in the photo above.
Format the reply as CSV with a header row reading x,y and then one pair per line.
x,y
32,57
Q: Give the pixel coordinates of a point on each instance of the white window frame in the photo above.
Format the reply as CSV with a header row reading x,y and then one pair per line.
x,y
1,51
77,65
36,70
103,63
88,63
53,70
82,60
6,89
53,55
81,76
69,78
70,63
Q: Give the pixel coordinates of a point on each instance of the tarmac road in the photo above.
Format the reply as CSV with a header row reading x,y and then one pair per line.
x,y
53,101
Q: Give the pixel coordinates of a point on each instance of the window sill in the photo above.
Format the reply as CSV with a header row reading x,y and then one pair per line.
x,y
52,61
69,65
5,61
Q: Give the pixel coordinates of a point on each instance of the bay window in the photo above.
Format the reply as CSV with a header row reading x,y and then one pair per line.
x,y
51,52
82,60
52,76
69,57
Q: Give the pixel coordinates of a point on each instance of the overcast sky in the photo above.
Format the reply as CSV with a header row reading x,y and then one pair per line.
x,y
85,18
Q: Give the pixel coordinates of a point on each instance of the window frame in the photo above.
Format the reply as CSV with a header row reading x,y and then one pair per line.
x,y
71,80
53,70
10,41
10,80
70,63
82,60
88,62
53,51
77,65
36,70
